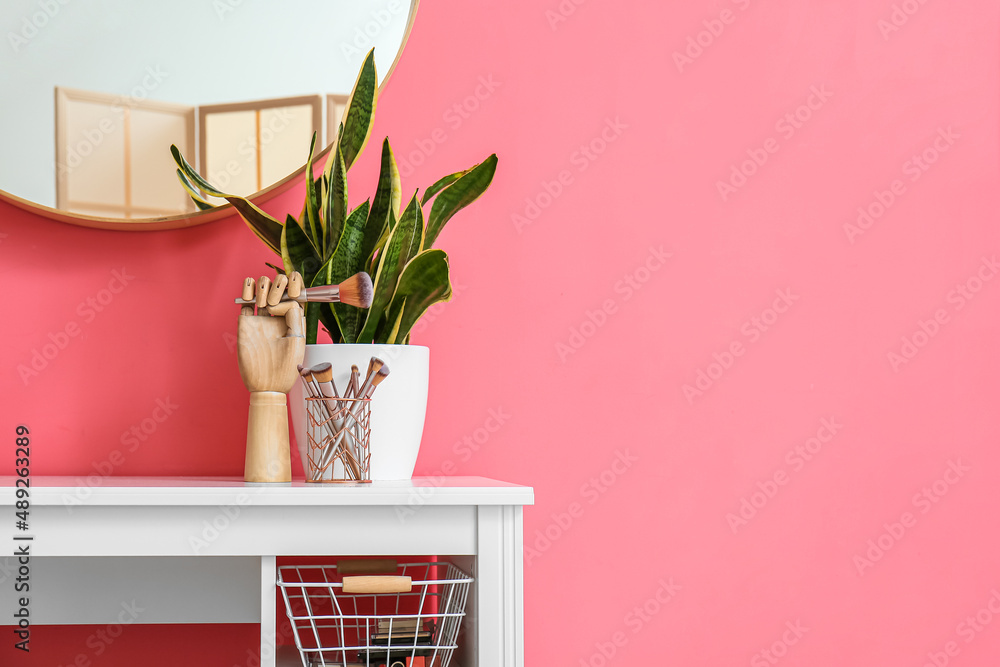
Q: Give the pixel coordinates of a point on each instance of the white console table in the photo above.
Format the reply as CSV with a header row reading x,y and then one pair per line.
x,y
203,550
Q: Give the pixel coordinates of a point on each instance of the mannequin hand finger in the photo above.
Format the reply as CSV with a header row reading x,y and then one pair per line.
x,y
263,288
277,289
249,287
281,309
295,284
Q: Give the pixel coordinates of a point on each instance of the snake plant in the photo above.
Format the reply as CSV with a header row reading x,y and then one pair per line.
x,y
330,241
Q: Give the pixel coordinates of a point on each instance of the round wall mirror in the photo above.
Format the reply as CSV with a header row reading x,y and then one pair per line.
x,y
97,90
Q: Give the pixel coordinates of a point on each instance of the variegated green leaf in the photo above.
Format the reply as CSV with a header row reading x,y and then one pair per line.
x,y
424,281
264,226
193,175
441,184
344,263
311,217
457,196
402,245
388,196
193,192
360,111
336,203
301,253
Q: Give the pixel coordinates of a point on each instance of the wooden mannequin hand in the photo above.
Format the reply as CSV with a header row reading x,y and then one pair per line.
x,y
271,343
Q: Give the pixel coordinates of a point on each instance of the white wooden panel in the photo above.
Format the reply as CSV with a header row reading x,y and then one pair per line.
x,y
498,616
268,617
141,590
250,530
416,493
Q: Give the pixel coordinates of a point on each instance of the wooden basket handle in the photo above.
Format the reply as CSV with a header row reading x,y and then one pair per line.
x,y
383,584
367,566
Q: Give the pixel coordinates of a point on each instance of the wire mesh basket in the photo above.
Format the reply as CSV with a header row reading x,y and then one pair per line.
x,y
338,440
408,619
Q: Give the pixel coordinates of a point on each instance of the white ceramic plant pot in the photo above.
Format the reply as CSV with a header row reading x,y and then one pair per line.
x,y
397,408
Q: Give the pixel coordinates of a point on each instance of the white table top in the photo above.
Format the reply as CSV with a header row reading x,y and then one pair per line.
x,y
170,491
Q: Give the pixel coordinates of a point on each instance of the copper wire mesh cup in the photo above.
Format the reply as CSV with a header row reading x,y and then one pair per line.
x,y
339,436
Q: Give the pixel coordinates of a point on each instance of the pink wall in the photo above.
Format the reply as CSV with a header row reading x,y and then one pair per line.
x,y
866,481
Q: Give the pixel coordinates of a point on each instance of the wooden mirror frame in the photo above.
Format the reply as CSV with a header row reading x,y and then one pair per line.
x,y
198,217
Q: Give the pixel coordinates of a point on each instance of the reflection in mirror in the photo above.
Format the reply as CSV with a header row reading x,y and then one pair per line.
x,y
95,93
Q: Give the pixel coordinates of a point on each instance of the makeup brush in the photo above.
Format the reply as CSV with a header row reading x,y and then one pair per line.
x,y
323,376
373,367
355,291
353,412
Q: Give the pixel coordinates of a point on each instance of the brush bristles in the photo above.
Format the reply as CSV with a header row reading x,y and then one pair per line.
x,y
357,290
382,374
323,372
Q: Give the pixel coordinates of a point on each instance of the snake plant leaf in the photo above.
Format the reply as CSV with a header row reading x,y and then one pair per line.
x,y
320,312
424,281
465,190
393,317
193,192
193,175
402,245
311,204
298,252
441,184
388,197
360,111
312,322
347,260
264,226
286,259
336,203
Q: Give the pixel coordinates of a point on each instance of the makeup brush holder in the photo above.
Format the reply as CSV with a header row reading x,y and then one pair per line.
x,y
338,440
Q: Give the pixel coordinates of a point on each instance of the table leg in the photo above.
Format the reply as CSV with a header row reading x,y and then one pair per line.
x,y
498,613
